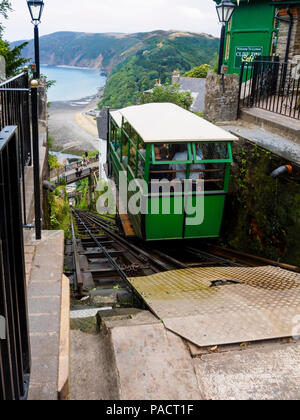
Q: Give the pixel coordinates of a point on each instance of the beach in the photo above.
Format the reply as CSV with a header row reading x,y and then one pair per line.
x,y
71,128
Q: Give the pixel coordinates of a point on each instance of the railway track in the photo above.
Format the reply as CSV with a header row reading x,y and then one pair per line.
x,y
103,259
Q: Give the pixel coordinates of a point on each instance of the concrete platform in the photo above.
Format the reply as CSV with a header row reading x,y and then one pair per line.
x,y
267,372
48,306
148,362
280,146
274,123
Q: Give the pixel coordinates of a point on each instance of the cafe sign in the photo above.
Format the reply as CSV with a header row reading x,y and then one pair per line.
x,y
246,55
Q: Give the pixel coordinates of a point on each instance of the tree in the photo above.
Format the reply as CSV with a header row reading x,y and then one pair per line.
x,y
13,57
5,7
168,93
199,72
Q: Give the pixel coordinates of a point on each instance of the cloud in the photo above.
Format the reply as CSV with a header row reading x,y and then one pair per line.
x,y
114,16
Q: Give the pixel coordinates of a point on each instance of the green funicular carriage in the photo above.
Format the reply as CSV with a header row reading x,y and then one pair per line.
x,y
161,144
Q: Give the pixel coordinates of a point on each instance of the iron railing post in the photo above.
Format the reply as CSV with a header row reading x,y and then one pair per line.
x,y
36,159
240,87
26,117
14,340
37,51
221,49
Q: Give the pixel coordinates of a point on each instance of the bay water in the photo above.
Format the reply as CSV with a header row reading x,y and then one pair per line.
x,y
72,83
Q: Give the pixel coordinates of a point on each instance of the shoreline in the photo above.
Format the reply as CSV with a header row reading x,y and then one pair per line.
x,y
72,129
90,100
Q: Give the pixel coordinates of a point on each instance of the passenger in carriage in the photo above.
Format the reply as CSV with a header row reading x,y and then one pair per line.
x,y
161,154
195,169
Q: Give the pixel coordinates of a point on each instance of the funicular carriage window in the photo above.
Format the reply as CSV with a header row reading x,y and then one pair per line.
x,y
115,137
135,152
141,160
180,161
132,149
212,156
124,144
169,162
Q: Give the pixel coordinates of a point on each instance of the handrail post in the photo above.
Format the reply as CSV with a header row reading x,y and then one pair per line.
x,y
240,88
27,134
36,159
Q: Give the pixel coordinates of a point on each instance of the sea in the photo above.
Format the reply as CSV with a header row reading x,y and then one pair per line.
x,y
72,83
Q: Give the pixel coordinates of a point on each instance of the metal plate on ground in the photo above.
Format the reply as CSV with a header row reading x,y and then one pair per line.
x,y
250,304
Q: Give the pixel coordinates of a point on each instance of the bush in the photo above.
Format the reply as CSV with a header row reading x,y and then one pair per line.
x,y
59,210
168,93
199,72
53,162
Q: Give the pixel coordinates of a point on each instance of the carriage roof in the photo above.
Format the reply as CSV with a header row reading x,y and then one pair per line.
x,y
169,123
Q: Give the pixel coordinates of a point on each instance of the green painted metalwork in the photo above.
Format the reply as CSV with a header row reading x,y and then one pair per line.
x,y
162,226
249,33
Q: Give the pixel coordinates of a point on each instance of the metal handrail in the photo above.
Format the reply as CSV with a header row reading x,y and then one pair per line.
x,y
271,85
19,107
14,337
14,78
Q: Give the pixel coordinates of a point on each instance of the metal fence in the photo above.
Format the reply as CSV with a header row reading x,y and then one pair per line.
x,y
71,178
78,163
15,110
19,107
14,341
271,85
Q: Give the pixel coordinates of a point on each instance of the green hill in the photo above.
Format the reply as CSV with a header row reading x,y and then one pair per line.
x,y
160,54
81,49
133,61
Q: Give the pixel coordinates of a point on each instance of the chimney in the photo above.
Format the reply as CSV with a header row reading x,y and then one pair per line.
x,y
175,77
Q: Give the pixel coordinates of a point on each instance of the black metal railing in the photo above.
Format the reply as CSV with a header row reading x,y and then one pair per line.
x,y
19,107
271,85
78,163
15,110
73,177
14,338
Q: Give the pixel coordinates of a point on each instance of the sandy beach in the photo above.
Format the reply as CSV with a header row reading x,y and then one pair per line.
x,y
72,129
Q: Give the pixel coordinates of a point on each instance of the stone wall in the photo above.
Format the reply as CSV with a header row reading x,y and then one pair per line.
x,y
2,68
42,101
262,215
283,35
297,36
221,99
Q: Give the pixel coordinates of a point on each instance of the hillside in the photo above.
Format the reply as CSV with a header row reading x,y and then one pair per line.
x,y
160,54
133,61
101,51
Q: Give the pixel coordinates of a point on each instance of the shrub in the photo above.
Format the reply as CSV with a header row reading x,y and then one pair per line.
x,y
199,72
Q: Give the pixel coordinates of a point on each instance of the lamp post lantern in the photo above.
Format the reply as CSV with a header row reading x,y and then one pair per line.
x,y
225,11
36,9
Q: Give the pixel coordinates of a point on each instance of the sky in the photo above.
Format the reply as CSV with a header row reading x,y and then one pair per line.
x,y
126,16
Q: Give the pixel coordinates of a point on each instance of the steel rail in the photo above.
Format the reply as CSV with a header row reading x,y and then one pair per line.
x,y
103,249
138,250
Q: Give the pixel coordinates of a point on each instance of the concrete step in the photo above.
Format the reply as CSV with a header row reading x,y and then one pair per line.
x,y
152,363
49,318
129,317
280,125
279,145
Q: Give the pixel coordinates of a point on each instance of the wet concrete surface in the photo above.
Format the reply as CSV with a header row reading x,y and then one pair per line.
x,y
93,371
276,144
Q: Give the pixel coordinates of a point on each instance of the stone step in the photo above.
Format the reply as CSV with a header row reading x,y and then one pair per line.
x,y
279,145
49,321
280,125
152,363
